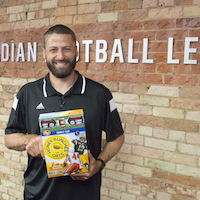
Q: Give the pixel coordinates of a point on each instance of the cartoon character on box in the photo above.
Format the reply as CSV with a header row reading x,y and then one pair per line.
x,y
75,161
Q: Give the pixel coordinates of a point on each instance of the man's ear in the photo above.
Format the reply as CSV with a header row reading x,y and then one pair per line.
x,y
76,52
44,53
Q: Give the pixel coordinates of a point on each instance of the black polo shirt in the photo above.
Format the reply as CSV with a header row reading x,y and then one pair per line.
x,y
100,115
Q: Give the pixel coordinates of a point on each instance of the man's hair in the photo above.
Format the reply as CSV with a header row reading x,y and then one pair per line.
x,y
58,29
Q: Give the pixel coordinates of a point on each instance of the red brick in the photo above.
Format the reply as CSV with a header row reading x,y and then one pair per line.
x,y
34,32
3,34
41,73
24,40
184,180
121,35
137,55
147,182
164,68
93,56
160,175
161,58
158,46
119,67
195,69
18,65
122,77
106,66
179,46
92,48
181,125
139,36
93,66
181,69
108,26
105,36
94,76
181,80
188,23
179,190
40,57
159,24
128,26
81,55
195,56
179,56
78,28
10,65
5,40
176,34
133,67
81,65
26,73
148,68
86,36
38,39
142,120
38,65
28,65
15,33
9,73
3,65
182,2
194,33
147,78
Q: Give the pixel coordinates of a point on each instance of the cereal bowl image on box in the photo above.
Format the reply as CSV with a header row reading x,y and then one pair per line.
x,y
65,144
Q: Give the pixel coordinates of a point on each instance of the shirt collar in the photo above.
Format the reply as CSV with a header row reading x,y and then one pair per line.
x,y
78,87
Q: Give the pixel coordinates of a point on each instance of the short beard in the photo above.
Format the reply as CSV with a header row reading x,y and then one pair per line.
x,y
61,72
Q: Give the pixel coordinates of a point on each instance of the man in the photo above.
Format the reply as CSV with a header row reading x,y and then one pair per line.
x,y
63,89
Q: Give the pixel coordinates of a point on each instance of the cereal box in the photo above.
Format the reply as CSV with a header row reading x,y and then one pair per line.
x,y
64,140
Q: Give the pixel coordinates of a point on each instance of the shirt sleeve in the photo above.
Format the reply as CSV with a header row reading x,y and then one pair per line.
x,y
112,122
16,122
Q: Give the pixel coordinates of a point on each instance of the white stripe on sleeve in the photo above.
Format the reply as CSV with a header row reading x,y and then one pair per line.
x,y
15,103
112,105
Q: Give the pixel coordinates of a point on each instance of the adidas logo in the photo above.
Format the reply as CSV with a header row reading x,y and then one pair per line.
x,y
40,106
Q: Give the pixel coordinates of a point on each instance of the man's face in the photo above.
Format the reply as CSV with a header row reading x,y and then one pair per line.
x,y
60,54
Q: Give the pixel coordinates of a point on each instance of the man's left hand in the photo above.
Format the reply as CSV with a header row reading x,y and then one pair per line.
x,y
94,167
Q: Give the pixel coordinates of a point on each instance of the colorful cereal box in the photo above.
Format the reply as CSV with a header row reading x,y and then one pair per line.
x,y
64,140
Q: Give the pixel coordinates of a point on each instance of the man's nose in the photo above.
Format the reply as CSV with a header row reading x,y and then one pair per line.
x,y
60,55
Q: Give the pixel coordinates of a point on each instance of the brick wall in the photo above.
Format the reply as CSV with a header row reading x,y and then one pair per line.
x,y
159,103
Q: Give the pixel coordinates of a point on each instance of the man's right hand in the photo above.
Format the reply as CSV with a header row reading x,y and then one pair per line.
x,y
32,143
34,146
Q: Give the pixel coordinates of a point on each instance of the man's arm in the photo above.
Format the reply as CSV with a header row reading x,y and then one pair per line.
x,y
32,143
110,150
